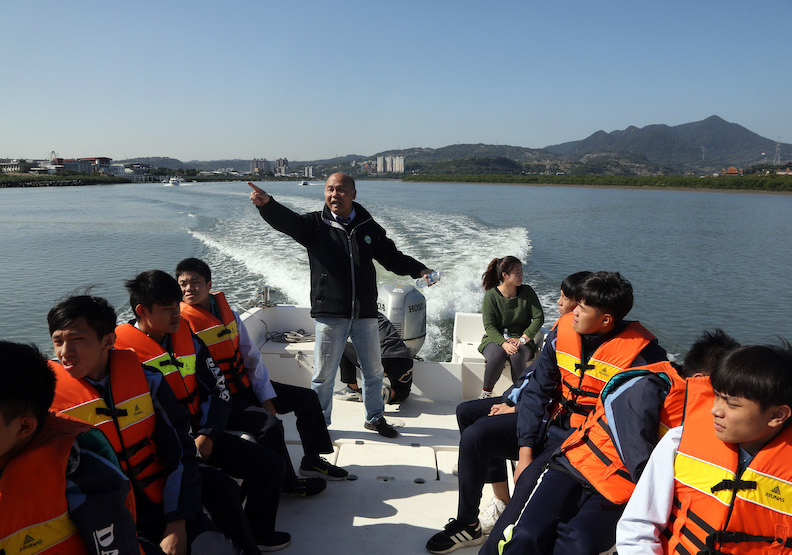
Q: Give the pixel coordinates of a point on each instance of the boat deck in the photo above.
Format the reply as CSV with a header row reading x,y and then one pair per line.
x,y
404,490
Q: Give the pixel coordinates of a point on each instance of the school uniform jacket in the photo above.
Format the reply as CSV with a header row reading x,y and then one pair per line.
x,y
641,404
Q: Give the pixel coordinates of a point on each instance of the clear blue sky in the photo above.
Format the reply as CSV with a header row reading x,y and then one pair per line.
x,y
315,79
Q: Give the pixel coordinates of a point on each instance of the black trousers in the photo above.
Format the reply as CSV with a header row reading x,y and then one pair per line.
x,y
486,443
304,403
522,490
398,371
203,536
564,516
261,470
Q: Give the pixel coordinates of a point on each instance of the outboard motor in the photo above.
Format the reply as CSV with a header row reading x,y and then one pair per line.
x,y
405,307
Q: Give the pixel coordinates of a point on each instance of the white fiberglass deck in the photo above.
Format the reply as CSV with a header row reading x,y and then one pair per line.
x,y
405,491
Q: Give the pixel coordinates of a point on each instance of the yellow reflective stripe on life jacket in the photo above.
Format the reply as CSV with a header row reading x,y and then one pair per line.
x,y
600,371
771,492
187,368
567,362
701,476
217,333
137,408
39,537
87,412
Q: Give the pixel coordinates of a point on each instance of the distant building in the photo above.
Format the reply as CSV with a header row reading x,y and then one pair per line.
x,y
308,172
10,166
732,171
260,165
787,171
390,164
282,166
98,164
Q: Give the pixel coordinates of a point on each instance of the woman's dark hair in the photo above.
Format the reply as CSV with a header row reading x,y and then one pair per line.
x,y
570,283
760,373
496,268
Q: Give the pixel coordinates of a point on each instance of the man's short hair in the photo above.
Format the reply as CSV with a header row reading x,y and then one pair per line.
x,y
195,265
570,283
28,382
707,352
608,292
98,313
760,373
153,287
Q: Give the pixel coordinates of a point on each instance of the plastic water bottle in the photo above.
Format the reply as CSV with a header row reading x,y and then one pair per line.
x,y
421,282
506,334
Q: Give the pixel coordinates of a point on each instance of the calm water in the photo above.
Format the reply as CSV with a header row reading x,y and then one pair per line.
x,y
697,260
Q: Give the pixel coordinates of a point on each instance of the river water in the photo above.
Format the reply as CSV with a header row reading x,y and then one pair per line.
x,y
697,260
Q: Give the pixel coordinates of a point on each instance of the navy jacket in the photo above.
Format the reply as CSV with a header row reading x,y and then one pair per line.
x,y
343,278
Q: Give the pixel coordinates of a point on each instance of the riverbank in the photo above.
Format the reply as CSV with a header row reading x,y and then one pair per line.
x,y
748,183
12,180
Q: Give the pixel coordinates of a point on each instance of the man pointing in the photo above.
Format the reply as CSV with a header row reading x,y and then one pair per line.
x,y
343,240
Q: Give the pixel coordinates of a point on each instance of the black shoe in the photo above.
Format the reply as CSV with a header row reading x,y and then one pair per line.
x,y
382,428
455,535
277,541
306,487
320,467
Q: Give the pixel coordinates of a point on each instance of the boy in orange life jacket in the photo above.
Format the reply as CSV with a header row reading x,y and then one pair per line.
x,y
586,348
580,496
141,417
213,320
720,483
162,339
60,486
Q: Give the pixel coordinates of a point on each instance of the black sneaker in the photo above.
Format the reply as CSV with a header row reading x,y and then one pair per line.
x,y
306,487
276,542
455,535
381,427
319,466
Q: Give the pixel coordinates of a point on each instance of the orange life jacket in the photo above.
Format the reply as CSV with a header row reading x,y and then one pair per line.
x,y
129,424
591,449
178,369
33,505
581,382
716,511
222,338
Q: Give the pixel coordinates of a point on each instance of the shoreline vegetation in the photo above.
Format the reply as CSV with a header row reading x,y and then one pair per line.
x,y
8,180
754,183
748,183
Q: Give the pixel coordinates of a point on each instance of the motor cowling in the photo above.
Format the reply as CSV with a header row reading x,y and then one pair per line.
x,y
405,307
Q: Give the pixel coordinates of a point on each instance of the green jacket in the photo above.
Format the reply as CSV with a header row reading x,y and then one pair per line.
x,y
521,315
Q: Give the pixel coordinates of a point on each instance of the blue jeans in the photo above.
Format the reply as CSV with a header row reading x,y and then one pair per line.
x,y
331,336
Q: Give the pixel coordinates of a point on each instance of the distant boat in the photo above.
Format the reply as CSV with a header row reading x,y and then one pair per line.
x,y
174,182
304,183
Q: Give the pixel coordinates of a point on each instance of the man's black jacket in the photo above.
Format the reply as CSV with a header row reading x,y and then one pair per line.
x,y
341,257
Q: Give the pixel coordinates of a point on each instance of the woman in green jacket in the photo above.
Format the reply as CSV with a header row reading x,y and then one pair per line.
x,y
512,316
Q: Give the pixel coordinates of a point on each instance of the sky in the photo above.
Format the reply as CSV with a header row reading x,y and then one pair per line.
x,y
313,79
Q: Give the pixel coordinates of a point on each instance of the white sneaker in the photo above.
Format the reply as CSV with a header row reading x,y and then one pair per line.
x,y
489,516
485,394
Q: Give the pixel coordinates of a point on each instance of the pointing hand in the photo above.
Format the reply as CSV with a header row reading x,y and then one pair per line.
x,y
258,196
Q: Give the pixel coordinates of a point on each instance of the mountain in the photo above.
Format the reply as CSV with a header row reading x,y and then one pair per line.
x,y
709,144
703,146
